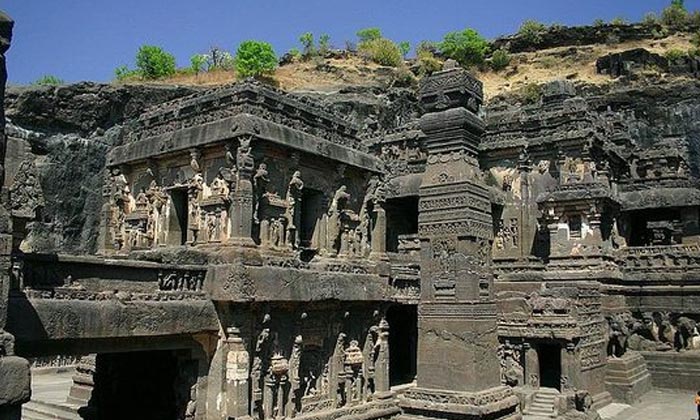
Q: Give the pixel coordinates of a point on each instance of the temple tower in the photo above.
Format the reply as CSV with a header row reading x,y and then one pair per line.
x,y
457,312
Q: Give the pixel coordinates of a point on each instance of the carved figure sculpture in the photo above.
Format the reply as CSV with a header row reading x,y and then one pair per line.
x,y
617,336
260,181
340,199
294,193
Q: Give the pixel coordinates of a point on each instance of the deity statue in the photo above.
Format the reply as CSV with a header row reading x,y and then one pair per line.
x,y
293,214
260,181
340,199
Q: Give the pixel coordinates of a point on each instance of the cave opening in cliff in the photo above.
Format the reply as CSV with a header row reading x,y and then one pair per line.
x,y
136,385
402,220
403,343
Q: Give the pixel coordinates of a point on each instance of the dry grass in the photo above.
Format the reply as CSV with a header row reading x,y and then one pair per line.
x,y
309,75
574,63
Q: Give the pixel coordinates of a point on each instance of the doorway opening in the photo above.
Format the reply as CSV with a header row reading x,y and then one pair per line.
x,y
402,220
136,385
311,212
403,343
177,226
549,357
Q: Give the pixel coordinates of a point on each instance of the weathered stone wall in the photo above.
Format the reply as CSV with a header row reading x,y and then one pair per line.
x,y
66,132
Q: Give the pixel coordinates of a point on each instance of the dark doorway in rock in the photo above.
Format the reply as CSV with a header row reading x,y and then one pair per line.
x,y
549,357
136,385
403,343
312,208
177,225
402,220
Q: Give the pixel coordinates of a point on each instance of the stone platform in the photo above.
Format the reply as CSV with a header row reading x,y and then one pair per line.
x,y
674,370
627,378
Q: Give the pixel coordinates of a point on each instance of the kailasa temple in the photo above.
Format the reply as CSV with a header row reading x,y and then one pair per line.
x,y
259,255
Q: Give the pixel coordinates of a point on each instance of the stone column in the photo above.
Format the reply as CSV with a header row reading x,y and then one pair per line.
x,y
379,233
457,335
242,195
532,366
14,370
237,373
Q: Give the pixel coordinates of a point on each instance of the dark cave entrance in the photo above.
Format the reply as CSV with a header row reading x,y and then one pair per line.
x,y
402,219
654,227
177,226
403,343
312,205
136,385
549,358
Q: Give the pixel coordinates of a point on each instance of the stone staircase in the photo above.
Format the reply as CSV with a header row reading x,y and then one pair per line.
x,y
543,403
40,410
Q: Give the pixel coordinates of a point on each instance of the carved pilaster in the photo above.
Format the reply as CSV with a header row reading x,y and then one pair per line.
x,y
242,204
456,232
237,373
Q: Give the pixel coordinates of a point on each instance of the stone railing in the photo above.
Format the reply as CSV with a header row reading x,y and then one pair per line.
x,y
671,259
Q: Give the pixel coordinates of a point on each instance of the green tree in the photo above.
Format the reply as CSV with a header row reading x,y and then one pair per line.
x,y
153,62
307,44
324,44
532,31
675,15
198,63
48,80
255,58
369,34
405,48
467,47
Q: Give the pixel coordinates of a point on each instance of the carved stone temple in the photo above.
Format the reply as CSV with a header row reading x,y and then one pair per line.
x,y
259,255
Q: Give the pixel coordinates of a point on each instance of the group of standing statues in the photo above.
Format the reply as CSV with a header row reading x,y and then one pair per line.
x,y
215,209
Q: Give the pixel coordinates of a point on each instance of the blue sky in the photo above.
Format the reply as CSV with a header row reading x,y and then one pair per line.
x,y
87,39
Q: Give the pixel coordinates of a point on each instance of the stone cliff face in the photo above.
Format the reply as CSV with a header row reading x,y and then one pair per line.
x,y
64,133
67,131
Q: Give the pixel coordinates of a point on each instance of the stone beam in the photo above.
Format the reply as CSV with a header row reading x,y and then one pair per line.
x,y
239,125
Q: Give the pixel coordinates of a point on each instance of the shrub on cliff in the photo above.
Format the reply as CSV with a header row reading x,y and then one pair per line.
x,y
369,34
467,47
374,47
675,15
382,51
531,31
428,63
48,80
500,59
255,58
153,62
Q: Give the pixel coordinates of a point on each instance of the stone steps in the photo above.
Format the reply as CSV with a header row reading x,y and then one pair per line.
x,y
39,410
542,404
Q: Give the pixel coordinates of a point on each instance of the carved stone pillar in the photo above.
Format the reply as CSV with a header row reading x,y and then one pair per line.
x,y
83,381
379,233
532,366
242,196
237,373
14,370
457,338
